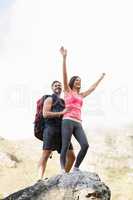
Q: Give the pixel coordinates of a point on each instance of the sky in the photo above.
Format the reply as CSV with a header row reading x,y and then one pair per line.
x,y
6,3
98,37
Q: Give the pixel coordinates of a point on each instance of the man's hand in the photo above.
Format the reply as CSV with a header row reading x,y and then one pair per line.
x,y
63,51
64,111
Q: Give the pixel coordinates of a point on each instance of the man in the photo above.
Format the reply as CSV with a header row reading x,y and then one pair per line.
x,y
53,110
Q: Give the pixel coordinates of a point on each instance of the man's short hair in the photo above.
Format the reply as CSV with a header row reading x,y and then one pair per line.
x,y
55,82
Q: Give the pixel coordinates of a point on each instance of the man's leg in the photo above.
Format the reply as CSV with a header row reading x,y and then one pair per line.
x,y
69,160
43,162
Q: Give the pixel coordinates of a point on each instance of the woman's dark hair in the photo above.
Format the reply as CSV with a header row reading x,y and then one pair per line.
x,y
72,80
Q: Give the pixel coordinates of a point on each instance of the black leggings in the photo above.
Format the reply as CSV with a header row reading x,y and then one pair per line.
x,y
70,127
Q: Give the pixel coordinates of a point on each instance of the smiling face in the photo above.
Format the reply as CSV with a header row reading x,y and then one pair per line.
x,y
77,83
57,87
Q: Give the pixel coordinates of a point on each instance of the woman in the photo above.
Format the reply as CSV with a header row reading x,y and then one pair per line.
x,y
53,110
71,123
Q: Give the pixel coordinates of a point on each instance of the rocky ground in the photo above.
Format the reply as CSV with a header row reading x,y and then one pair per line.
x,y
110,156
77,185
18,164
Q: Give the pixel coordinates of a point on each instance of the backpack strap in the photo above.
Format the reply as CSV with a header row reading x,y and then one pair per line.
x,y
54,98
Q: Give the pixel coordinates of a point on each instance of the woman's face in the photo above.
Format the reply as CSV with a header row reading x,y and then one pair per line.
x,y
77,83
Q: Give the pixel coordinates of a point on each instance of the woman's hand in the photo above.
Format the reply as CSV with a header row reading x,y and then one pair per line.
x,y
63,51
92,87
65,79
103,74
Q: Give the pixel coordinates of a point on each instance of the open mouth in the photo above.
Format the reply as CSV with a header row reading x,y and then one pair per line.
x,y
58,89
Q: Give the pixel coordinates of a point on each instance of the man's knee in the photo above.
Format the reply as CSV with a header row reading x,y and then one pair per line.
x,y
46,155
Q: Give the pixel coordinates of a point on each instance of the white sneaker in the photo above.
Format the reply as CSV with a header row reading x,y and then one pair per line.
x,y
62,171
76,169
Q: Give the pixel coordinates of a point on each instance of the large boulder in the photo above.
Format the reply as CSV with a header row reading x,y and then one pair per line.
x,y
68,186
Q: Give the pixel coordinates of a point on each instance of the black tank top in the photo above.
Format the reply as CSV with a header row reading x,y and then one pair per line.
x,y
57,106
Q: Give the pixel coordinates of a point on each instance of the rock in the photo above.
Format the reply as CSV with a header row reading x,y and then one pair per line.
x,y
8,160
68,186
1,138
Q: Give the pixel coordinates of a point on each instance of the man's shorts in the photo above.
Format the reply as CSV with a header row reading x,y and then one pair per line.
x,y
52,139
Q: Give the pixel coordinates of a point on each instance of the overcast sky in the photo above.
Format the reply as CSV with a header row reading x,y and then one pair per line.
x,y
99,38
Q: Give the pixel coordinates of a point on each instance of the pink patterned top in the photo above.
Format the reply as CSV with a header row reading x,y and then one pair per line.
x,y
73,102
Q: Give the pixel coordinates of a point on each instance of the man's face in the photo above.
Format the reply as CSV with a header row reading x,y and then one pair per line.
x,y
57,88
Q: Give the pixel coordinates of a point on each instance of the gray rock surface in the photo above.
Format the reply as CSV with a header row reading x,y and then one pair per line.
x,y
68,186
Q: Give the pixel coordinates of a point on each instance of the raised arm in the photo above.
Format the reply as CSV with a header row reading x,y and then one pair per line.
x,y
65,79
92,87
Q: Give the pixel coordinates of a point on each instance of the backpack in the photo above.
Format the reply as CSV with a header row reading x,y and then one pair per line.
x,y
39,122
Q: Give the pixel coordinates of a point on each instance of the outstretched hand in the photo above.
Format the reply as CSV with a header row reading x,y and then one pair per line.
x,y
103,74
63,51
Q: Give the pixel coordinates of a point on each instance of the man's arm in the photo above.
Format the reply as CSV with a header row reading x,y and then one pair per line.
x,y
47,113
92,87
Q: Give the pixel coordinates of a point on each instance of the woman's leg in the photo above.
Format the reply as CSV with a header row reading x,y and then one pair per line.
x,y
82,139
70,158
66,132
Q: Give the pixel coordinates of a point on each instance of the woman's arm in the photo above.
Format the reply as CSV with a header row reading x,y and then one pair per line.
x,y
92,87
65,79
